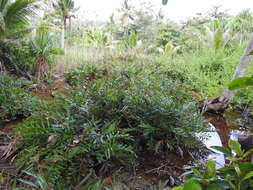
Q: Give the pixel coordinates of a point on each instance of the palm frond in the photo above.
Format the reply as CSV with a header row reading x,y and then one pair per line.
x,y
64,7
2,22
16,34
3,5
18,13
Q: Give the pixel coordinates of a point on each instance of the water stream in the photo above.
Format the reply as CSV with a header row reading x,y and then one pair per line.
x,y
222,130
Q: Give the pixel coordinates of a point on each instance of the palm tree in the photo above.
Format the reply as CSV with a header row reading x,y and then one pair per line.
x,y
127,16
14,18
65,10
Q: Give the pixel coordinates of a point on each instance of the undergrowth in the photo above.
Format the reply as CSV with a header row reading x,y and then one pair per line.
x,y
113,112
15,102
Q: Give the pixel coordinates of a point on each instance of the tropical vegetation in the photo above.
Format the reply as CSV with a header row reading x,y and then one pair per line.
x,y
122,104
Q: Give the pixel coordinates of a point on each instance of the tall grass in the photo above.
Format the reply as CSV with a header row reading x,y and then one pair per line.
x,y
81,54
210,71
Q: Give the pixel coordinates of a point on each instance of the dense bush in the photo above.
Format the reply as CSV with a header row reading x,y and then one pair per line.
x,y
153,107
21,56
84,74
15,102
63,142
105,122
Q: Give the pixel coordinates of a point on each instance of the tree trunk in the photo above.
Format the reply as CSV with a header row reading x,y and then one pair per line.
x,y
70,24
63,37
220,104
2,69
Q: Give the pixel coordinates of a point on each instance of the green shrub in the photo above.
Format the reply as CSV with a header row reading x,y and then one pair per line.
x,y
62,142
21,55
153,107
14,101
84,74
104,122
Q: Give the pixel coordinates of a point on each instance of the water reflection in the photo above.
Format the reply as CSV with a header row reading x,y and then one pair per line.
x,y
214,140
219,136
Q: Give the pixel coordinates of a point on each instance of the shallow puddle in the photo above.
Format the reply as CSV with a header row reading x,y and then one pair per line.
x,y
222,130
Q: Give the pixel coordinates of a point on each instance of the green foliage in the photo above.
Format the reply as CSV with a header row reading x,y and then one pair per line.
x,y
237,175
43,49
217,35
83,74
14,17
147,104
242,23
241,82
130,41
15,102
68,136
113,113
96,37
20,55
119,106
167,33
64,8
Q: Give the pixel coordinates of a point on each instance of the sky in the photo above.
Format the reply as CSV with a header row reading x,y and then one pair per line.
x,y
175,10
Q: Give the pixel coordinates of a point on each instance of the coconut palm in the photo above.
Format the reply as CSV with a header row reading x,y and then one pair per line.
x,y
127,16
14,19
65,10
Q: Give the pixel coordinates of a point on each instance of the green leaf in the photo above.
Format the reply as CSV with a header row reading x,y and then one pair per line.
x,y
241,82
178,188
237,169
223,150
251,183
248,175
251,53
2,22
211,168
57,51
192,185
197,172
214,187
236,147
